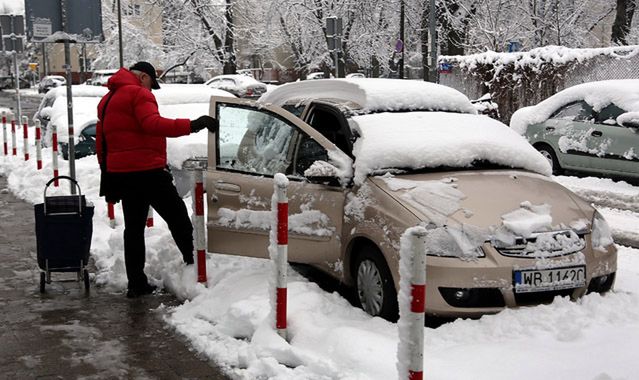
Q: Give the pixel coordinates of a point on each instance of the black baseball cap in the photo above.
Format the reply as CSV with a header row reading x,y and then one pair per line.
x,y
147,68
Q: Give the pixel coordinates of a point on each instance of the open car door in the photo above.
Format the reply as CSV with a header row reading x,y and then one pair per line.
x,y
254,142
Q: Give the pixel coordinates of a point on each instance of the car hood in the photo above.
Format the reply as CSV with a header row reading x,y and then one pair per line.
x,y
525,202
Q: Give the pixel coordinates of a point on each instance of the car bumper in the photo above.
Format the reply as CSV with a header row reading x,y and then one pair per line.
x,y
457,288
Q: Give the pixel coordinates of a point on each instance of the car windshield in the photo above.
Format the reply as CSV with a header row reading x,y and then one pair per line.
x,y
435,141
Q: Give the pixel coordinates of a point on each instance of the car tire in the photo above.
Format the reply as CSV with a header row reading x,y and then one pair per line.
x,y
549,154
374,284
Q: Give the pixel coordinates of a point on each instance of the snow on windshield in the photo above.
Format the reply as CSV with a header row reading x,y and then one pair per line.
x,y
418,140
623,93
375,94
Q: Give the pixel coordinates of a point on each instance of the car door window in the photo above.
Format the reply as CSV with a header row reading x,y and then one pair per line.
x,y
578,111
608,115
254,141
308,151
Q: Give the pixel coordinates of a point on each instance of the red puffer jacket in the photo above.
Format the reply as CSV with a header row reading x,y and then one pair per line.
x,y
135,132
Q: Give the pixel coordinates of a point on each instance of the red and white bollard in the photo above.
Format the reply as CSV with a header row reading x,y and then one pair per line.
x,y
38,144
5,143
25,135
412,303
111,214
54,146
149,217
281,255
14,144
198,222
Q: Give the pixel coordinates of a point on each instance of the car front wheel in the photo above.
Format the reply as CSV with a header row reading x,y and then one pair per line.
x,y
374,284
549,154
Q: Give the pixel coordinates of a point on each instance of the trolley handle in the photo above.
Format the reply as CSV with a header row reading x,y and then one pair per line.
x,y
46,187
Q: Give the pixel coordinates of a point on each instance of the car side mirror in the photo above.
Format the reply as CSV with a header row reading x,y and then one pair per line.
x,y
321,172
629,120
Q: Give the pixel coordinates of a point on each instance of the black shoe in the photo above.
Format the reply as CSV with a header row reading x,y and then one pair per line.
x,y
140,291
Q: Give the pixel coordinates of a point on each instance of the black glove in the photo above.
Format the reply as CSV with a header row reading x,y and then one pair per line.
x,y
202,122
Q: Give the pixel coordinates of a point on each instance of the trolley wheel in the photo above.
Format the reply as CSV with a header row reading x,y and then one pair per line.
x,y
42,281
85,274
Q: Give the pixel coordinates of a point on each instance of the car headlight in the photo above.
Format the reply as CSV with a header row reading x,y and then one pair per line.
x,y
461,242
601,237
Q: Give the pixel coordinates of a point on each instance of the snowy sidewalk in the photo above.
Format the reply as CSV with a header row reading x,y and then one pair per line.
x,y
66,334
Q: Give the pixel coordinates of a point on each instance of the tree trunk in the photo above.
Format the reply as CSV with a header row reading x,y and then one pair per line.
x,y
623,21
230,64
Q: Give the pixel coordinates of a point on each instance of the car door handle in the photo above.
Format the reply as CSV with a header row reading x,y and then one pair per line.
x,y
596,133
550,129
223,186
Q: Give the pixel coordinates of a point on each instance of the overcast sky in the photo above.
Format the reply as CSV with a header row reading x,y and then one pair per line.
x,y
8,7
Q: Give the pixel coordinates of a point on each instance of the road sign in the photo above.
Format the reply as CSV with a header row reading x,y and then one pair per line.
x,y
83,18
12,32
12,24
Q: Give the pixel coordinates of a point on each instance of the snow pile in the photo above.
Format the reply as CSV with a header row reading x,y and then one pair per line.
x,y
623,93
603,191
375,94
527,219
309,222
418,140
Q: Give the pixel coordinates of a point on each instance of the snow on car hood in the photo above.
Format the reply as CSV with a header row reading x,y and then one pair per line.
x,y
416,140
488,200
623,93
375,94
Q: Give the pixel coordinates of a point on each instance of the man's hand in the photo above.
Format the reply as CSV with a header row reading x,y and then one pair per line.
x,y
204,122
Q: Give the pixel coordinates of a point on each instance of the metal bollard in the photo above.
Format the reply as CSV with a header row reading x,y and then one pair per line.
x,y
111,214
198,167
38,143
14,147
412,307
149,217
5,143
25,135
281,260
54,143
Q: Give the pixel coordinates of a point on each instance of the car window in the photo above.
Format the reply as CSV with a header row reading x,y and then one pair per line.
x,y
227,82
578,111
294,109
254,141
608,115
308,151
89,131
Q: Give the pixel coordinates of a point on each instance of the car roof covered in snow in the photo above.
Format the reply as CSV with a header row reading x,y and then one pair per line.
x,y
375,95
624,93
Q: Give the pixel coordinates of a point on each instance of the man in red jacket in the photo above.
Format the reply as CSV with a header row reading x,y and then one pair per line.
x,y
131,148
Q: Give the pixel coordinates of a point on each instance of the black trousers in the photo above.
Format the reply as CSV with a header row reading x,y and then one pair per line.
x,y
139,191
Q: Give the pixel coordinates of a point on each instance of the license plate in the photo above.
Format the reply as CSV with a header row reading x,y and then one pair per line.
x,y
535,280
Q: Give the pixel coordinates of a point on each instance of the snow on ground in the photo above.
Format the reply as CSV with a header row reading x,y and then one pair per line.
x,y
618,202
330,339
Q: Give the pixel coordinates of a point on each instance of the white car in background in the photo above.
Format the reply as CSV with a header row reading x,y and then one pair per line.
x,y
186,101
242,86
101,77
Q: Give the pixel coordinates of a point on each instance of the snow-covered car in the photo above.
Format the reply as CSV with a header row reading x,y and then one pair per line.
x,y
101,77
366,159
240,85
355,75
591,128
51,81
316,75
174,101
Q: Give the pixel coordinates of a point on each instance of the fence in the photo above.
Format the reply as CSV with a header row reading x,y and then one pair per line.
x,y
517,80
